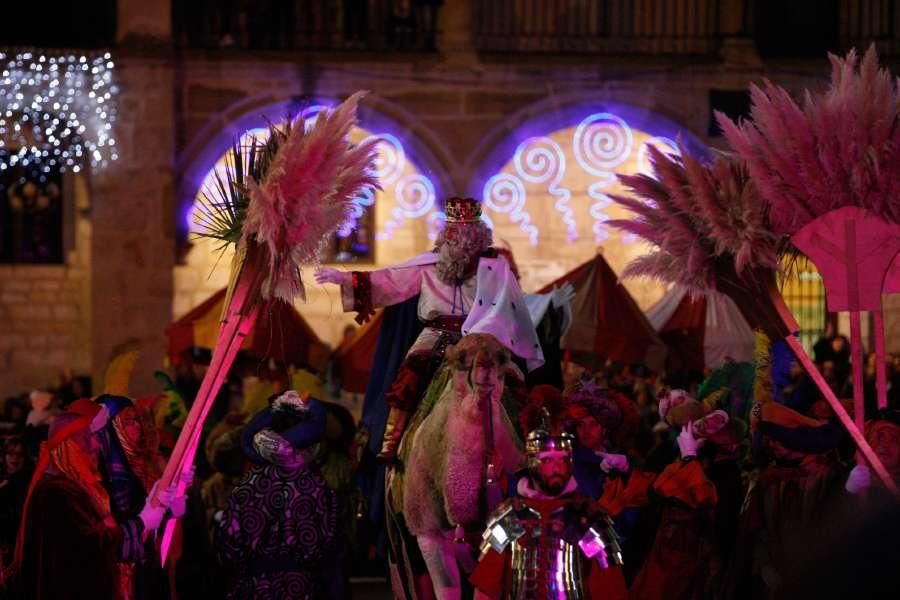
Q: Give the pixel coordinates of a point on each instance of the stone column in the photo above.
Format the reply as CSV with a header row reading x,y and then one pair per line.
x,y
133,219
456,32
736,29
143,21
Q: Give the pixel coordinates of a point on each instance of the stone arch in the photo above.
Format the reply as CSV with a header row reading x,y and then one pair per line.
x,y
215,136
557,106
200,273
546,172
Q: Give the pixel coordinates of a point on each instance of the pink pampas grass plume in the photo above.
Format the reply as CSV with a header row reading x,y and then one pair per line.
x,y
837,148
699,218
307,194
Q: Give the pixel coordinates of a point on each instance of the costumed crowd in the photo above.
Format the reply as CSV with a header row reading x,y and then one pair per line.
x,y
486,462
479,469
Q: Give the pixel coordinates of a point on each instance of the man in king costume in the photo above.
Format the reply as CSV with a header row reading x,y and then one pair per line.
x,y
464,286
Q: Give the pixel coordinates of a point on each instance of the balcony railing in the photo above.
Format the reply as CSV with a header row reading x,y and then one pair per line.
x,y
328,25
865,21
799,28
604,27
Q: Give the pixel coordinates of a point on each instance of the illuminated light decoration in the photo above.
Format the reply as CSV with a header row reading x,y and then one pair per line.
x,y
505,193
310,112
392,162
599,140
414,197
58,111
602,142
599,215
541,160
358,209
436,222
388,166
661,143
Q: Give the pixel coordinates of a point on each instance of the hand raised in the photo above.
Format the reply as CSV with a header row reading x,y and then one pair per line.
x,y
332,275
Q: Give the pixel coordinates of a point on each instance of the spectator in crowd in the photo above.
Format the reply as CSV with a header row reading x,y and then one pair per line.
x,y
279,528
17,470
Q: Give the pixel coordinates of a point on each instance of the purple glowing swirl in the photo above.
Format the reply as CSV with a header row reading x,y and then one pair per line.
x,y
602,142
505,193
414,197
541,160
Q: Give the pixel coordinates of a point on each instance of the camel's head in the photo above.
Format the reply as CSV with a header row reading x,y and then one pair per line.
x,y
481,364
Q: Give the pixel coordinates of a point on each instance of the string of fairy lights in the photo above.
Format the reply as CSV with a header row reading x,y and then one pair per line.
x,y
57,111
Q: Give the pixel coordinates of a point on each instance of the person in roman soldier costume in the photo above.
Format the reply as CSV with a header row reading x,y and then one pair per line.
x,y
463,287
550,541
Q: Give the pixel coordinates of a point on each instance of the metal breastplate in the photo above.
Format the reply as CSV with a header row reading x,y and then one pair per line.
x,y
545,566
548,556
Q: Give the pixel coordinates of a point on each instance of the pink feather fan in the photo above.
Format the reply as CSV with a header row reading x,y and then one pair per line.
x,y
700,218
307,194
710,231
840,148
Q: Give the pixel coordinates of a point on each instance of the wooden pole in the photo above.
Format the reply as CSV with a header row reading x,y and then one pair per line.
x,y
854,431
239,317
881,361
857,358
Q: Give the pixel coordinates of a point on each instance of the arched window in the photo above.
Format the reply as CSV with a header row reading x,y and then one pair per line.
x,y
547,186
387,227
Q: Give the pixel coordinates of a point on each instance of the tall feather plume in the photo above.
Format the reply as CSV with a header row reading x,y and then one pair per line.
x,y
839,148
707,222
306,194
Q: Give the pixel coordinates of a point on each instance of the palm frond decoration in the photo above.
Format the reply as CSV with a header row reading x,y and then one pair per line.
x,y
705,221
709,229
839,148
288,195
223,202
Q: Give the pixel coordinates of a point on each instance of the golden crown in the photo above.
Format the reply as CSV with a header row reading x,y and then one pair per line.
x,y
462,210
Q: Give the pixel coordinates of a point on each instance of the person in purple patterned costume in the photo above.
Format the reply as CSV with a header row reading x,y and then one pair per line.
x,y
279,527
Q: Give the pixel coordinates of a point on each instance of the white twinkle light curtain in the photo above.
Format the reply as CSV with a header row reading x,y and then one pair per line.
x,y
57,111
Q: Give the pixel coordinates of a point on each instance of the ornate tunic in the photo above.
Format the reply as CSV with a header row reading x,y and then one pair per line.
x,y
279,530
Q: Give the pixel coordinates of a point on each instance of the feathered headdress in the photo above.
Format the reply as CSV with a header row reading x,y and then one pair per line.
x,y
289,194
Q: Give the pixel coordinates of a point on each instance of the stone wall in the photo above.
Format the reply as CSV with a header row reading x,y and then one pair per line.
x,y
171,111
45,310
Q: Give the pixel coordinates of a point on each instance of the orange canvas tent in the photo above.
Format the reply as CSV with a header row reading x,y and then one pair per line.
x,y
280,332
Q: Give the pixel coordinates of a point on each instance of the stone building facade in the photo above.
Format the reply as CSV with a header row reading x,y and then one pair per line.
x,y
133,268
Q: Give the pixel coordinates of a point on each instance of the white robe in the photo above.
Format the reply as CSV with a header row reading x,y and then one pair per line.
x,y
492,302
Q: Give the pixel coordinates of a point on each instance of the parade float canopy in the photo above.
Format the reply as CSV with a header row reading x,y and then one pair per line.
x,y
280,333
606,321
701,331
